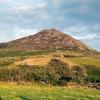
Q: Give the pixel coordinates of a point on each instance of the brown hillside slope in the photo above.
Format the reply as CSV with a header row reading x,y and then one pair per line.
x,y
46,40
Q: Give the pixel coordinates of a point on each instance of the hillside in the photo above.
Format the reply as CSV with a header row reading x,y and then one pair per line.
x,y
50,39
49,57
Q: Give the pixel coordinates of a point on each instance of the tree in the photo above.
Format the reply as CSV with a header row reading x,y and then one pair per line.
x,y
58,71
79,74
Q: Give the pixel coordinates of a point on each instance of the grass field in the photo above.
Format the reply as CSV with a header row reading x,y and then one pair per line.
x,y
85,60
23,53
42,92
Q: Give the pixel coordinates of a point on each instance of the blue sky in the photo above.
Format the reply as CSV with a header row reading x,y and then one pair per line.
x,y
78,18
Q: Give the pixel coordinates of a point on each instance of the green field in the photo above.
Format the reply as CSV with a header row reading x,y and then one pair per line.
x,y
85,60
42,92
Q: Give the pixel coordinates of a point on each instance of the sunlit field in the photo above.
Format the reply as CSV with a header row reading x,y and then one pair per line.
x,y
46,92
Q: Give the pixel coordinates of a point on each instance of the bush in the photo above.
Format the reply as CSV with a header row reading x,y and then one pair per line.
x,y
58,71
93,73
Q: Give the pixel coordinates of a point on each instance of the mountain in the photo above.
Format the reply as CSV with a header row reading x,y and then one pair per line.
x,y
46,40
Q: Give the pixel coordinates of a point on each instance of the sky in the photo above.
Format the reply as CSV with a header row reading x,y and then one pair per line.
x,y
78,18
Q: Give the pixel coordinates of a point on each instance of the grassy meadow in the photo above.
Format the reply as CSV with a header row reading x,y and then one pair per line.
x,y
46,92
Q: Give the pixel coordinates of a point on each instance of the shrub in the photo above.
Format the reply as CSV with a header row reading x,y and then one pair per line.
x,y
58,71
79,74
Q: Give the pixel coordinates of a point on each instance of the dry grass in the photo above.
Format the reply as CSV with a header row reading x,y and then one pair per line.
x,y
35,61
42,61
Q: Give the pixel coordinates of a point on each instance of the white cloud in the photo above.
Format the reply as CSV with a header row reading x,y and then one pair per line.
x,y
18,33
87,37
7,1
24,7
23,32
79,28
83,1
82,9
56,1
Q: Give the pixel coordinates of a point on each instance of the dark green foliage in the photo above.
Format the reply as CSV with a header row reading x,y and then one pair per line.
x,y
93,73
1,98
24,98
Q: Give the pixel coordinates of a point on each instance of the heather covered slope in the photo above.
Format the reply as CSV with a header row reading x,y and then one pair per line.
x,y
46,40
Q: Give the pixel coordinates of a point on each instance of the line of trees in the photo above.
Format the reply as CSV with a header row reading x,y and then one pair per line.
x,y
56,72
